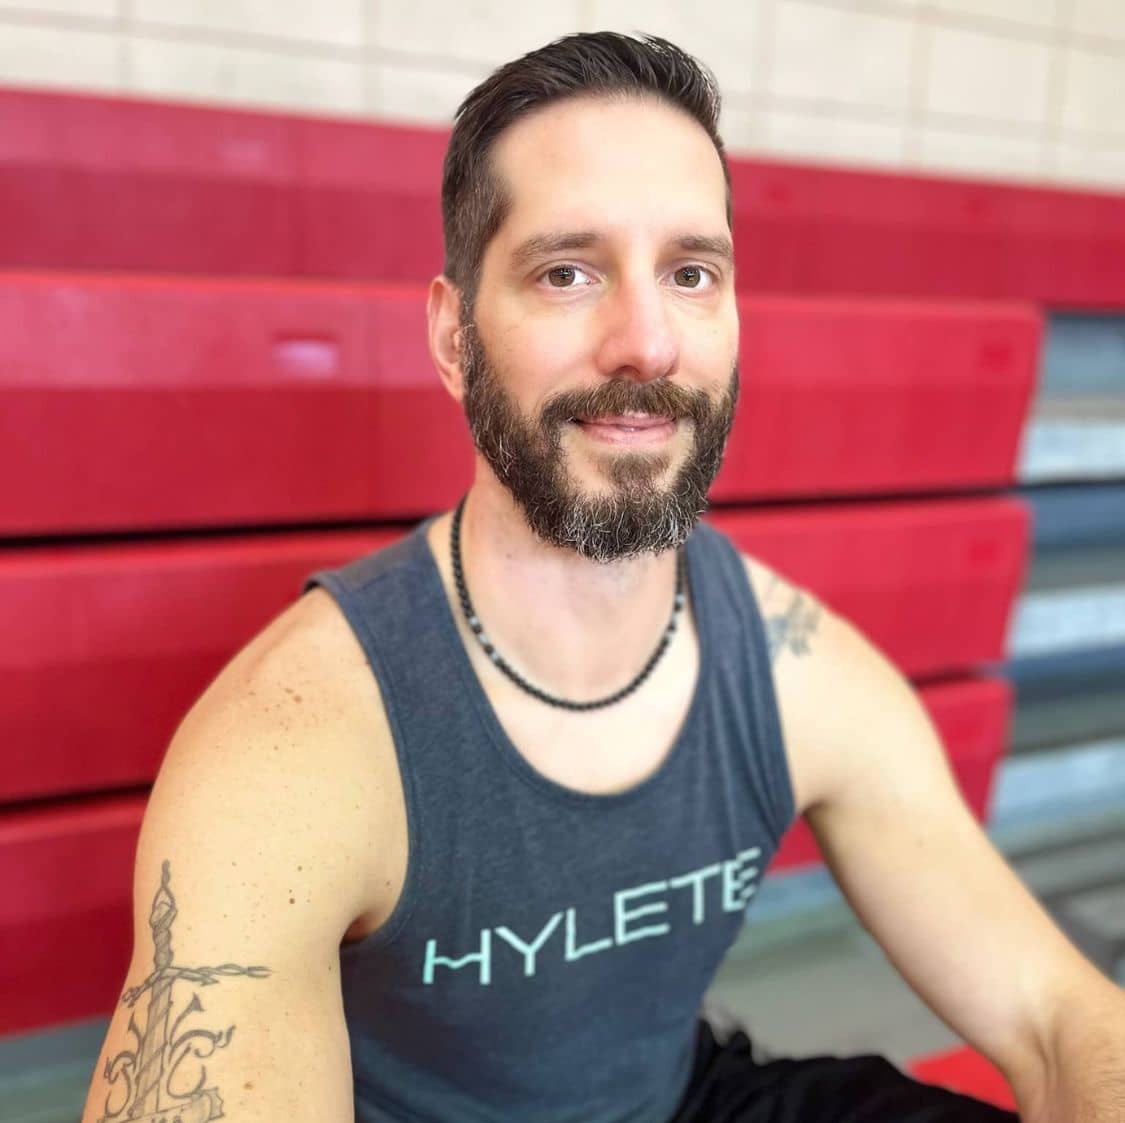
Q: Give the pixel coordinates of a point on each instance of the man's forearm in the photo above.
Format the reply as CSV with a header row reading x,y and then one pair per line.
x,y
1081,1077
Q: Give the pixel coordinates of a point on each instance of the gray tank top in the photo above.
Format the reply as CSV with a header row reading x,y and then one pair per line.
x,y
549,952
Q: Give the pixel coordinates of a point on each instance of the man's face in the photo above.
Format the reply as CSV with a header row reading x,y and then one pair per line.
x,y
600,354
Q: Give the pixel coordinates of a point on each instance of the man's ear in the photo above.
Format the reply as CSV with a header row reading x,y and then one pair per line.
x,y
443,316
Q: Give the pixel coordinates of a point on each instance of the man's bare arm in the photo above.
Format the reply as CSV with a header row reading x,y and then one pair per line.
x,y
873,780
249,871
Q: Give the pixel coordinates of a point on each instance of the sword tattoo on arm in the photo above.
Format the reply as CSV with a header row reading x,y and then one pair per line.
x,y
146,1072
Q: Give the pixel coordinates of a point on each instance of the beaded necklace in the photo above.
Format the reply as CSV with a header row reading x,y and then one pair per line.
x,y
478,630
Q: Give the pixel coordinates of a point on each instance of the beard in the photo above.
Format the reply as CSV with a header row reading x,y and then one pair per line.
x,y
638,515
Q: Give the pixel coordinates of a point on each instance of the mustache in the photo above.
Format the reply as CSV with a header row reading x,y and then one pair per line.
x,y
660,398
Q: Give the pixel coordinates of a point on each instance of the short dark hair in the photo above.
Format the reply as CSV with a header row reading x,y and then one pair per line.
x,y
590,64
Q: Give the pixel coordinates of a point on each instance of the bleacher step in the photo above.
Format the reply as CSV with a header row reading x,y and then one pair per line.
x,y
1095,921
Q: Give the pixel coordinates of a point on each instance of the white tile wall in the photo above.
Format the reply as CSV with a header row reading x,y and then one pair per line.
x,y
994,87
95,9
483,30
985,75
1104,18
325,21
997,156
1094,94
834,138
1036,13
740,128
243,75
404,92
1096,164
56,56
840,56
730,46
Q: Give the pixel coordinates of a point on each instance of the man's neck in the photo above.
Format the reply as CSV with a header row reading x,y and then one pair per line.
x,y
576,628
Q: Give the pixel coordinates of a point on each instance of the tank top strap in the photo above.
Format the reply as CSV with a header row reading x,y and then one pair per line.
x,y
736,626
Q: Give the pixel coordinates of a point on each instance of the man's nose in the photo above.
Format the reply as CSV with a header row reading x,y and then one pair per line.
x,y
637,338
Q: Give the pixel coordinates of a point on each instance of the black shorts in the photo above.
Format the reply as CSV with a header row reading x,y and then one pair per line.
x,y
729,1086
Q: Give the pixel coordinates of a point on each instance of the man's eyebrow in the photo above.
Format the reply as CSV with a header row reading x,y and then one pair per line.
x,y
544,245
701,243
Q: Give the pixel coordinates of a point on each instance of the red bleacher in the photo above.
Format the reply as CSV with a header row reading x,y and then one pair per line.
x,y
932,584
869,397
803,228
106,646
117,631
65,913
122,184
116,183
282,393
152,403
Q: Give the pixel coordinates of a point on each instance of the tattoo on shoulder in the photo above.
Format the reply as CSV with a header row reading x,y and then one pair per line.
x,y
791,626
146,1074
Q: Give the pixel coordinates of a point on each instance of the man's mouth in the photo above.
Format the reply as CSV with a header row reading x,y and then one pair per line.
x,y
628,428
630,422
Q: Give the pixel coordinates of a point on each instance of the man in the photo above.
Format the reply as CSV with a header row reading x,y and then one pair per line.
x,y
469,827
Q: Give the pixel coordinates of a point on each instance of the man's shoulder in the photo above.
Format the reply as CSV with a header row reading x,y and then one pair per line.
x,y
792,615
309,641
304,674
806,634
827,675
278,766
771,589
835,687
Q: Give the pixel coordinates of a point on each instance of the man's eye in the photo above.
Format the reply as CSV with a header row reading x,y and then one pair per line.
x,y
692,277
566,277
